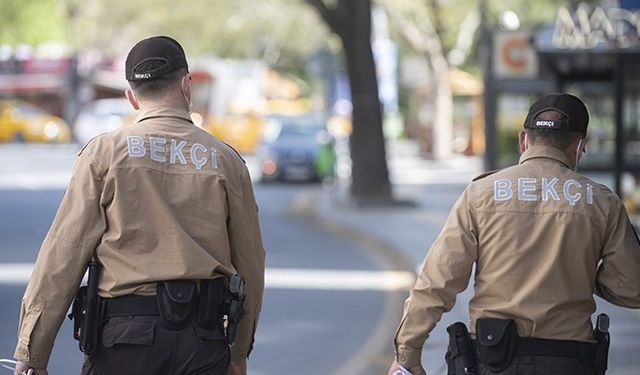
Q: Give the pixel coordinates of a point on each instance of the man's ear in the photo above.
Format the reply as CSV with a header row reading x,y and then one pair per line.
x,y
522,141
132,99
186,85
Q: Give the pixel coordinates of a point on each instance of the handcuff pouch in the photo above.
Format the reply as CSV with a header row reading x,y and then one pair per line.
x,y
496,340
176,301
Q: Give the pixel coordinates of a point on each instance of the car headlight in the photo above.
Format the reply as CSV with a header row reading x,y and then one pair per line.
x,y
51,130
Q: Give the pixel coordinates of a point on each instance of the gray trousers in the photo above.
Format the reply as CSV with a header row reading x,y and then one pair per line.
x,y
140,345
539,365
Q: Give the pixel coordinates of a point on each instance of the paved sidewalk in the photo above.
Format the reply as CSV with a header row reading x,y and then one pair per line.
x,y
405,234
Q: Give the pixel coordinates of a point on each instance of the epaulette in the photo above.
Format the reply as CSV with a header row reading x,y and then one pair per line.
x,y
485,174
236,151
87,144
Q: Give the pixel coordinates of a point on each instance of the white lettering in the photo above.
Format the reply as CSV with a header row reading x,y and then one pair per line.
x,y
142,75
548,188
525,186
155,148
589,194
548,124
176,152
502,190
198,162
591,27
572,198
214,157
136,146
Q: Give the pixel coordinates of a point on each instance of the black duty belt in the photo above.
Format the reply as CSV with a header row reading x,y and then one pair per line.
x,y
584,352
130,305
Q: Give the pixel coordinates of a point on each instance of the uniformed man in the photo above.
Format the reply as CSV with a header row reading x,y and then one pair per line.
x,y
154,203
543,239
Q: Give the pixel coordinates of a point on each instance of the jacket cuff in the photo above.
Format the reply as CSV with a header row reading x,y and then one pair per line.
x,y
30,359
407,357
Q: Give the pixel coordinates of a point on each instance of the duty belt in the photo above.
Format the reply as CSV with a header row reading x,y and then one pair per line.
x,y
584,352
129,306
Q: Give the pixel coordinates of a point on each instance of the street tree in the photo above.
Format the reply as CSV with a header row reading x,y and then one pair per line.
x,y
350,20
444,33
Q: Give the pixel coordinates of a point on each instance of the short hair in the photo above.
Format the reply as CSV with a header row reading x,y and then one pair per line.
x,y
559,139
157,87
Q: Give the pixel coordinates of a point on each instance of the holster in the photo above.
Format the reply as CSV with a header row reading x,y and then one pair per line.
x,y
176,301
601,359
211,304
496,341
76,314
86,312
460,357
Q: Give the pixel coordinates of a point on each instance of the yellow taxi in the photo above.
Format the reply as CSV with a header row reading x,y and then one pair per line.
x,y
23,122
243,132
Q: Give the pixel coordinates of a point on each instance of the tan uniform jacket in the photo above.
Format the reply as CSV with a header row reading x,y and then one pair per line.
x,y
543,238
159,200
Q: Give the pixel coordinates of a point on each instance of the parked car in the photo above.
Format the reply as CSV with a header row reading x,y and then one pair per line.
x,y
24,122
101,116
296,149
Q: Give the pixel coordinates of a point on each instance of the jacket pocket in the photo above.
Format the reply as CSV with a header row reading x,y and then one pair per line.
x,y
125,330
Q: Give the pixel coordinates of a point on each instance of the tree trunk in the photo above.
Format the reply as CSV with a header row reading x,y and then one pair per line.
x,y
351,21
370,176
428,43
443,107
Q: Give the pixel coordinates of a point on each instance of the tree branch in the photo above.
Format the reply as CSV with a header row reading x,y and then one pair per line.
x,y
407,30
330,16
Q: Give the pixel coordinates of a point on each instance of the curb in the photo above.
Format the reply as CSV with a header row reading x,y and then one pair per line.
x,y
376,353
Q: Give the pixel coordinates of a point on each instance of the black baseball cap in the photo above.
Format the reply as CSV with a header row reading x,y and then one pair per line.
x,y
154,57
573,114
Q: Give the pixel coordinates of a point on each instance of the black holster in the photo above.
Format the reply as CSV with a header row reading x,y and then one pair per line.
x,y
211,304
496,341
176,301
460,356
603,339
85,312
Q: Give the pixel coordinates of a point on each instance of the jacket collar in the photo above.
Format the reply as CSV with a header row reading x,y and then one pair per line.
x,y
163,111
544,152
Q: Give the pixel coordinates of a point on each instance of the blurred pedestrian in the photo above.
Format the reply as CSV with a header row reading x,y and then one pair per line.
x,y
543,240
166,216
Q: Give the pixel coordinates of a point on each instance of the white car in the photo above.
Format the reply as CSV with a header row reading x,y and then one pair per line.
x,y
101,116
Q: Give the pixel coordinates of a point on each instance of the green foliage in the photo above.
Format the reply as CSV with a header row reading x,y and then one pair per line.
x,y
31,22
452,13
282,32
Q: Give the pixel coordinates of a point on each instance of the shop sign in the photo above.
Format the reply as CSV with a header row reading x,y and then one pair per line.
x,y
597,28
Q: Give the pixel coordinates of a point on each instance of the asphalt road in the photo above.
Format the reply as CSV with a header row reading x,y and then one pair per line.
x,y
317,317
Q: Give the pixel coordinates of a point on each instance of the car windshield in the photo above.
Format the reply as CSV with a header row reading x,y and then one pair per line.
x,y
291,131
23,110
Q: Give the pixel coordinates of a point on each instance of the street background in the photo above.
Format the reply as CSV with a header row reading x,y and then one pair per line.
x,y
337,276
361,122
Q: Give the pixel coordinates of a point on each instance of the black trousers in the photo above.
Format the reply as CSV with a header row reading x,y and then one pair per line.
x,y
140,345
541,365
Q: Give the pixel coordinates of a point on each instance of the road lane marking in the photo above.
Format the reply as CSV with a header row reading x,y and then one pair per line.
x,y
278,278
15,273
325,279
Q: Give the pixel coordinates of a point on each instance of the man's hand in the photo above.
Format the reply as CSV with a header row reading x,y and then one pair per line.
x,y
237,367
395,366
21,368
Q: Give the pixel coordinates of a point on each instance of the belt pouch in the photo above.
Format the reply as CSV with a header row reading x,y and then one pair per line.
x,y
79,305
210,303
497,339
175,302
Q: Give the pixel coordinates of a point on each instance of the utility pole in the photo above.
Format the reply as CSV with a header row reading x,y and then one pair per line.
x,y
486,60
